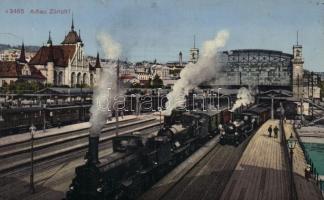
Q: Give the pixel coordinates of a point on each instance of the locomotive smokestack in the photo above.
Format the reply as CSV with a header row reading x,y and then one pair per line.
x,y
93,157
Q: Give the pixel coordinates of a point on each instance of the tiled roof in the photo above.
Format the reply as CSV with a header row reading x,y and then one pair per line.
x,y
72,38
11,69
8,69
61,55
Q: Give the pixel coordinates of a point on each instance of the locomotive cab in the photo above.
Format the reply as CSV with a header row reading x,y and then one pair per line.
x,y
127,143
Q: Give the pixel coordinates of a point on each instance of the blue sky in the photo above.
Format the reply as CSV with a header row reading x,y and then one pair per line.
x,y
161,28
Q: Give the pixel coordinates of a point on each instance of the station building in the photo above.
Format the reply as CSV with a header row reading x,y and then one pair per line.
x,y
267,69
65,63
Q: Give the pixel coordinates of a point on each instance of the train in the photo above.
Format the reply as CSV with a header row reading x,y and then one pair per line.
x,y
18,120
244,124
139,160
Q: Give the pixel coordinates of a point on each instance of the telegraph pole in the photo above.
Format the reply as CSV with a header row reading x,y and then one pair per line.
x,y
312,74
116,111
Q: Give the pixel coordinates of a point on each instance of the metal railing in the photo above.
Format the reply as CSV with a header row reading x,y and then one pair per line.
x,y
287,155
314,173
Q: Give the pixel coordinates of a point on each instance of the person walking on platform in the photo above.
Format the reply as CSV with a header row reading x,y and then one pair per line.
x,y
276,130
270,130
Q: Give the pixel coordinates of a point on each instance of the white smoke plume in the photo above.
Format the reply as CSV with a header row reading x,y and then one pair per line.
x,y
106,88
192,75
244,97
111,48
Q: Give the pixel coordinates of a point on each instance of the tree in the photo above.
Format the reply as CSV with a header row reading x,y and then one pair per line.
x,y
157,82
148,84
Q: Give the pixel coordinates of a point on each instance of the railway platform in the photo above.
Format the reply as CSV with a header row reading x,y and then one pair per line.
x,y
23,137
263,170
305,189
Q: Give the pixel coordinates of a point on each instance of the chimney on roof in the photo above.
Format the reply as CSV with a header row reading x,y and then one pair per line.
x,y
22,57
180,58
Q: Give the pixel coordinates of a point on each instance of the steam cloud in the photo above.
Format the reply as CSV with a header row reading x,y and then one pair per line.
x,y
106,88
244,97
192,75
111,48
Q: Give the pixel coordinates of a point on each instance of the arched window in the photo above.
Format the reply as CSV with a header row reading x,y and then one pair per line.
x,y
79,78
85,78
91,79
72,79
60,78
55,78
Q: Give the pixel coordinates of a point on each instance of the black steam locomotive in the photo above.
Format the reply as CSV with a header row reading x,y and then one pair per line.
x,y
245,122
139,160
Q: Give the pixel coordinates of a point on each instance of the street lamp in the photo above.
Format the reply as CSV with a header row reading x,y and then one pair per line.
x,y
1,117
218,98
44,117
291,145
32,130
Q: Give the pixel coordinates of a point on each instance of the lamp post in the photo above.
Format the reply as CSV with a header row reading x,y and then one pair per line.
x,y
1,117
82,99
32,130
218,98
44,117
291,145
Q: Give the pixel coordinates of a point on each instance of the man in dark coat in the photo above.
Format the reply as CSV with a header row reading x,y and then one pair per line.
x,y
276,130
270,130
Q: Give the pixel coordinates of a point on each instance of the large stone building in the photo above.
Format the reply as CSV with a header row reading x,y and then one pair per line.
x,y
65,64
256,67
263,68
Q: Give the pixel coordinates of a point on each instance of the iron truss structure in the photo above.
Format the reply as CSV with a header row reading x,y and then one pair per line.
x,y
256,67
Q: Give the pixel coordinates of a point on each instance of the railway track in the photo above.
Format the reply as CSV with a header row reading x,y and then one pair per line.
x,y
54,175
70,143
205,179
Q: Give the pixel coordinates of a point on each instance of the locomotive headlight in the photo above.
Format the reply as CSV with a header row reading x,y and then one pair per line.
x,y
236,133
99,189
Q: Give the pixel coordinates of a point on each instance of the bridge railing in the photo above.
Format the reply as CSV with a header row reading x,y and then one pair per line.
x,y
287,155
314,173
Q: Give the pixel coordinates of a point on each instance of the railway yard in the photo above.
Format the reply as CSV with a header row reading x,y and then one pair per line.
x,y
56,157
213,171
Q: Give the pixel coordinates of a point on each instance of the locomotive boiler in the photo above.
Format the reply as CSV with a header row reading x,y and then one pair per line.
x,y
244,124
139,160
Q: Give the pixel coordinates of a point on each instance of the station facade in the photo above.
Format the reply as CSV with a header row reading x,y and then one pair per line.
x,y
264,68
65,64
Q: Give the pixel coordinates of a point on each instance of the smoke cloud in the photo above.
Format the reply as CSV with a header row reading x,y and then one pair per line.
x,y
244,97
106,87
192,75
111,48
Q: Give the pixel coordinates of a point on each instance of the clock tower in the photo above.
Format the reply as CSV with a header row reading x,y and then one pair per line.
x,y
298,70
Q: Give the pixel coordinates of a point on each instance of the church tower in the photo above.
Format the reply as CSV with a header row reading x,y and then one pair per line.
x,y
298,70
180,58
194,53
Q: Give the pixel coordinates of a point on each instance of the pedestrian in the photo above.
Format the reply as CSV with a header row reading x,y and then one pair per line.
x,y
270,130
276,130
307,172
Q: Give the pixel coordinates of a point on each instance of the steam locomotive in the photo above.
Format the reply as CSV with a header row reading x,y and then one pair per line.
x,y
139,160
245,122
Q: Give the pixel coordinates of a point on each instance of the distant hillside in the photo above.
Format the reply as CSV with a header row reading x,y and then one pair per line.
x,y
28,48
